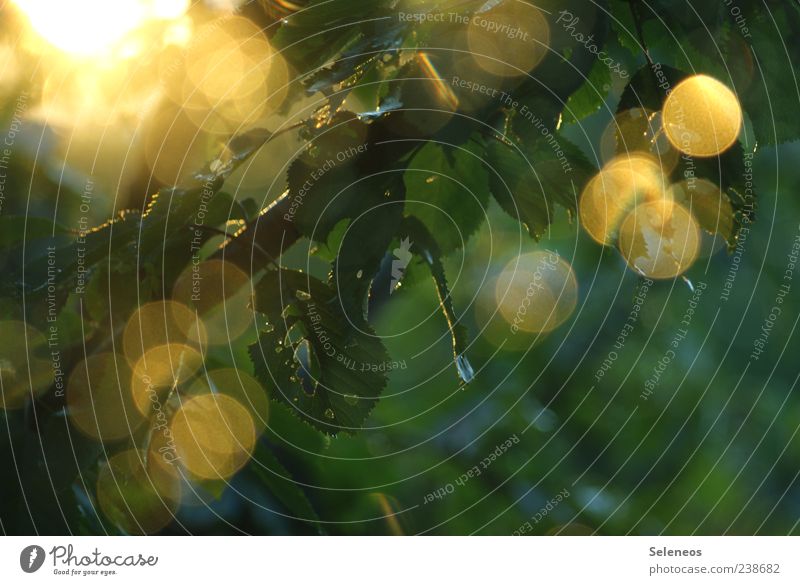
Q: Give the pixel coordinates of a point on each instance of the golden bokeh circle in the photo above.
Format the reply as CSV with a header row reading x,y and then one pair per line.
x,y
160,369
659,239
509,40
99,400
702,116
239,385
233,77
214,435
622,184
162,323
536,292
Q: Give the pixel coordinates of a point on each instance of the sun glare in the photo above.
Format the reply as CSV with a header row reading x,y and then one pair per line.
x,y
89,28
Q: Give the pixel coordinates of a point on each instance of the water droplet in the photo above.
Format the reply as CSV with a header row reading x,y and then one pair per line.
x,y
290,310
308,370
295,334
359,274
351,399
329,413
302,295
465,371
430,179
216,165
269,328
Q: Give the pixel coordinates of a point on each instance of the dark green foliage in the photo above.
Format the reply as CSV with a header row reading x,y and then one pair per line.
x,y
383,160
327,367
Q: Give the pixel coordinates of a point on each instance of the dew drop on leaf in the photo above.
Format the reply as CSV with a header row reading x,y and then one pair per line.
x,y
465,371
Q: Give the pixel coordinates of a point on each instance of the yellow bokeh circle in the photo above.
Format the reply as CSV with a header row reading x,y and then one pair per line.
x,y
622,184
240,386
508,40
162,323
160,369
702,116
99,400
214,435
659,239
536,292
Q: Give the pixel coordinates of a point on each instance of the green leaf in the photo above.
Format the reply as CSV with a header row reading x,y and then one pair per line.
x,y
362,248
623,25
770,98
426,243
448,191
326,183
277,479
591,96
14,229
327,368
532,175
324,29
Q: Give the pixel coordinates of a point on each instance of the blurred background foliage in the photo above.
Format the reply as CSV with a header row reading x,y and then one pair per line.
x,y
710,449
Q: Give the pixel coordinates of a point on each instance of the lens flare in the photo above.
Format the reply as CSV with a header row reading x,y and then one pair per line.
x,y
88,28
390,509
442,89
429,107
